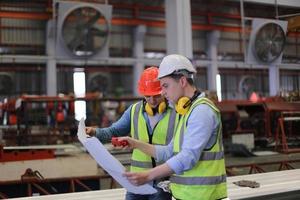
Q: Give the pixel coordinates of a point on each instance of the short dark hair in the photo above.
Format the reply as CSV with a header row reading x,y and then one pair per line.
x,y
177,76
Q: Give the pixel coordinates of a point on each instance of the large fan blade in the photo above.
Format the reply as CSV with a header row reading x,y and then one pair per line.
x,y
92,21
79,20
97,32
82,33
78,38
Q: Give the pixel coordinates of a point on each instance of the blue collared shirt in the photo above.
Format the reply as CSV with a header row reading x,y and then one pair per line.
x,y
201,133
122,127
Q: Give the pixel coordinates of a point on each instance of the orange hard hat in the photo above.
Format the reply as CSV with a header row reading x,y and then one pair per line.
x,y
148,84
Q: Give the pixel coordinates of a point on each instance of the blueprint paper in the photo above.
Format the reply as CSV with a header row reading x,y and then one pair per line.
x,y
109,163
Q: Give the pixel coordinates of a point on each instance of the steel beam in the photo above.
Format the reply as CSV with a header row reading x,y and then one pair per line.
x,y
130,61
25,15
282,3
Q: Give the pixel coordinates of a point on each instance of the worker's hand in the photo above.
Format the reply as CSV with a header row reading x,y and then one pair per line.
x,y
139,178
118,143
131,143
91,131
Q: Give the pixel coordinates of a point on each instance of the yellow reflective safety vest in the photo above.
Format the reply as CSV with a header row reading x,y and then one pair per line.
x,y
162,134
207,179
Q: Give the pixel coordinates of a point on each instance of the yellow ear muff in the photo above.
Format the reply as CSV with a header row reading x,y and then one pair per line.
x,y
161,108
182,105
149,110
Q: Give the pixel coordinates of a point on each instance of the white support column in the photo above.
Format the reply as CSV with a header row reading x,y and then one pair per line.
x,y
51,74
138,52
274,80
212,52
178,27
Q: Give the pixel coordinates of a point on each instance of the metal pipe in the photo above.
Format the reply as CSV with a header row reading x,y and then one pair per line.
x,y
25,15
289,15
243,28
276,9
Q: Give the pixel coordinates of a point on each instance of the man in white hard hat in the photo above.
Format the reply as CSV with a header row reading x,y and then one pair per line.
x,y
195,157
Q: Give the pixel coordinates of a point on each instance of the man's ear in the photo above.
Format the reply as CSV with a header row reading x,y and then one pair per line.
x,y
183,81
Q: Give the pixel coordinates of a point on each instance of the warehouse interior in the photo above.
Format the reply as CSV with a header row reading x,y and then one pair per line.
x,y
61,61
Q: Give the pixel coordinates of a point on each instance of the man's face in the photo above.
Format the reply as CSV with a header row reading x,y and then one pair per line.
x,y
154,101
171,89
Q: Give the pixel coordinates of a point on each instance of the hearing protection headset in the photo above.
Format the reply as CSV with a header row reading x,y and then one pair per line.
x,y
152,111
184,103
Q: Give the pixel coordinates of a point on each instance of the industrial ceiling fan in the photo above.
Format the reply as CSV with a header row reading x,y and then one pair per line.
x,y
83,30
267,41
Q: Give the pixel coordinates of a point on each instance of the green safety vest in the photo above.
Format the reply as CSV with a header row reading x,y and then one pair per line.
x,y
207,179
162,134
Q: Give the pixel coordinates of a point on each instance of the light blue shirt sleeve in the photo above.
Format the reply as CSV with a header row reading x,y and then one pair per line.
x,y
117,129
201,133
163,153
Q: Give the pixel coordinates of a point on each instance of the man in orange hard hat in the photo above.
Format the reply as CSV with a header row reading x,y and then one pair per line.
x,y
150,120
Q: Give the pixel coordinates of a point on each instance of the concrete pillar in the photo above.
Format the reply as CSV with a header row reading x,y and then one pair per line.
x,y
274,80
178,27
212,52
51,78
51,74
138,52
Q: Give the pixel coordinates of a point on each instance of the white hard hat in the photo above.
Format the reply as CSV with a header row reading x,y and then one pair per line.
x,y
173,63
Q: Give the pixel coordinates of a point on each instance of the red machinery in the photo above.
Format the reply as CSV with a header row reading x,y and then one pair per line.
x,y
243,116
17,154
266,119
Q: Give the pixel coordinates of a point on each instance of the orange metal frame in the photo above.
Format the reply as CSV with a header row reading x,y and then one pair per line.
x,y
258,167
34,181
281,139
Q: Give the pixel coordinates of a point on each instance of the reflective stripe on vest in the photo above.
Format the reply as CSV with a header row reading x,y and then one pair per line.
x,y
136,119
143,164
208,155
162,134
208,180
